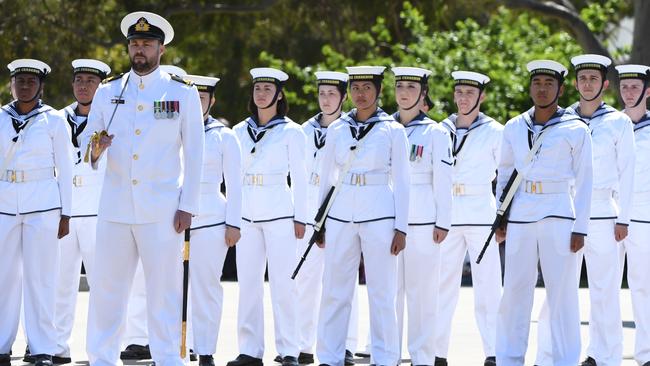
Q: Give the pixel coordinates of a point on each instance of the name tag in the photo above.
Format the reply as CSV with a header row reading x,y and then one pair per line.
x,y
117,101
166,109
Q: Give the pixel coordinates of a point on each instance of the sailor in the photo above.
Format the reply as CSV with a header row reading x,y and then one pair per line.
x,y
274,217
332,92
476,140
548,219
429,214
148,127
613,171
635,91
35,209
87,75
216,227
366,155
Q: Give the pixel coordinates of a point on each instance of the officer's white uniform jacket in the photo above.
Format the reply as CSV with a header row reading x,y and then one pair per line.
x,y
43,145
278,152
639,211
475,157
147,179
221,160
430,162
383,151
564,158
314,149
613,162
86,181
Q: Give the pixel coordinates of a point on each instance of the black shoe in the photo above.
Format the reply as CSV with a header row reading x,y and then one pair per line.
x,y
362,354
59,360
289,361
42,360
206,360
589,362
440,361
324,364
349,358
28,356
135,352
193,355
278,359
5,359
305,358
246,360
490,361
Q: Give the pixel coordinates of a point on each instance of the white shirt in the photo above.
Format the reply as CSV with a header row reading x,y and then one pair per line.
x,y
154,164
476,156
564,158
612,138
86,182
314,148
640,211
279,151
382,151
221,159
429,154
43,143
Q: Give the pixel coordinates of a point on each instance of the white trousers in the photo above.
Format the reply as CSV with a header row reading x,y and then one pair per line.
x,y
275,242
119,246
135,331
28,272
208,251
486,283
77,246
344,244
546,241
309,284
601,253
637,246
418,275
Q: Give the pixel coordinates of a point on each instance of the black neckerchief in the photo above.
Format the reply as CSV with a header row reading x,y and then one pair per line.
x,y
76,130
561,115
643,122
19,121
361,129
257,132
450,124
211,123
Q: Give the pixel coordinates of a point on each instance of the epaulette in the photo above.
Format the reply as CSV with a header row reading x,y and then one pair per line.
x,y
114,77
181,80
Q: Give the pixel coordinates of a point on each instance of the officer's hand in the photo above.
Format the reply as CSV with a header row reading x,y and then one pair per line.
x,y
500,234
577,242
398,244
439,235
99,145
620,232
299,230
64,226
233,235
182,221
320,238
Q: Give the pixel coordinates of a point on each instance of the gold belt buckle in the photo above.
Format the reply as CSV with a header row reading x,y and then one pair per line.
x,y
17,176
459,189
257,179
77,181
359,179
535,187
12,176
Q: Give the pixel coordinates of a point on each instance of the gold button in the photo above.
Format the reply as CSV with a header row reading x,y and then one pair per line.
x,y
137,131
141,86
135,156
140,107
135,181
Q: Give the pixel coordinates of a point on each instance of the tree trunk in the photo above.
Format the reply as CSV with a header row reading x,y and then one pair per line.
x,y
640,45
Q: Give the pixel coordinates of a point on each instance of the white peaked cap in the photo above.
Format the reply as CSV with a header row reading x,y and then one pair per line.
x,y
632,71
332,75
90,66
28,65
143,24
470,76
410,71
546,67
174,70
268,74
365,70
202,80
590,61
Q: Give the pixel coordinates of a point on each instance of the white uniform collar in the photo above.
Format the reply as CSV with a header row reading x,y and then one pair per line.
x,y
148,79
13,111
378,116
211,123
561,115
602,109
420,119
643,122
450,122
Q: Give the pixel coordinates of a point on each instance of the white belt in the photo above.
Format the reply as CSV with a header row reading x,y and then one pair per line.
x,y
86,180
421,178
314,179
210,187
461,189
544,187
601,194
264,179
20,176
355,179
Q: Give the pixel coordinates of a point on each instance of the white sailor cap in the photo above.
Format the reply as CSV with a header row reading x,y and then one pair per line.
x,y
173,70
268,75
334,78
28,66
143,24
547,67
366,72
470,78
411,74
633,72
591,62
90,66
203,83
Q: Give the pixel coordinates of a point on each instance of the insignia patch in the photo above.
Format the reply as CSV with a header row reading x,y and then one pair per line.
x,y
142,25
166,109
416,152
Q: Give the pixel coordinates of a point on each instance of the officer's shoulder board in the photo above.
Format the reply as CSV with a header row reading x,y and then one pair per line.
x,y
181,80
113,78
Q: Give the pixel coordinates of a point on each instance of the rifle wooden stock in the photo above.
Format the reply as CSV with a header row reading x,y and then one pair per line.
x,y
319,226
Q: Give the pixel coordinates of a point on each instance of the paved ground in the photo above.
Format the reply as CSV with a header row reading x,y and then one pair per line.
x,y
465,342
